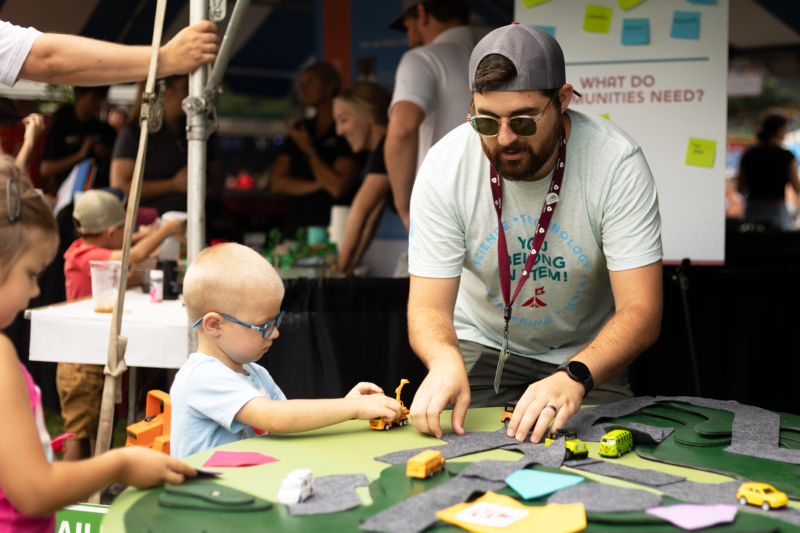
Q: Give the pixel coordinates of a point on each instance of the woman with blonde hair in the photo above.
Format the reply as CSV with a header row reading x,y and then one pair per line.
x,y
361,112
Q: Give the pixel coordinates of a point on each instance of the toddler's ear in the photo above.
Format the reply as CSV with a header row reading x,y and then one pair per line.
x,y
212,324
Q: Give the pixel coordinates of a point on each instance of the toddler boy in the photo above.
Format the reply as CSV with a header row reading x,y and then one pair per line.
x,y
233,296
100,221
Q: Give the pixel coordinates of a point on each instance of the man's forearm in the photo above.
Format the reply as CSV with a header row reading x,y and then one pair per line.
x,y
432,336
49,167
629,332
401,163
293,186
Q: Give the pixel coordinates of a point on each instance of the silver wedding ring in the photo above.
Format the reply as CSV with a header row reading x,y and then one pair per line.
x,y
555,410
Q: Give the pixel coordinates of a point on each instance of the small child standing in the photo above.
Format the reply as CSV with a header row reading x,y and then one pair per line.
x,y
32,486
220,395
100,221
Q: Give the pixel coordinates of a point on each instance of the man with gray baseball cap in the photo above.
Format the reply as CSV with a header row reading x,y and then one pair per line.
x,y
534,248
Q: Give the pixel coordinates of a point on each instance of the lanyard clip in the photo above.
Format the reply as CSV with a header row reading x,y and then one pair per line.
x,y
507,315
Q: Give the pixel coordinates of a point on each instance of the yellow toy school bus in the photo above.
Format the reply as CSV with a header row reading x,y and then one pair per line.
x,y
425,464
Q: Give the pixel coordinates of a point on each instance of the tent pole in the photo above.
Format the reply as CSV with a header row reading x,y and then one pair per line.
x,y
116,344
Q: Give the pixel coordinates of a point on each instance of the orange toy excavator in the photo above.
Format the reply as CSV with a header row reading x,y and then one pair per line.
x,y
153,431
379,424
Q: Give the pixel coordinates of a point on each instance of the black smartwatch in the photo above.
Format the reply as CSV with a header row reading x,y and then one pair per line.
x,y
578,372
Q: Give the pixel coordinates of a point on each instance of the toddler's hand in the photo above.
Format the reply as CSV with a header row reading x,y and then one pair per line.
x,y
364,389
379,406
143,468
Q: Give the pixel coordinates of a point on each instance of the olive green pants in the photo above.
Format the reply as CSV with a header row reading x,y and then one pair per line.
x,y
518,373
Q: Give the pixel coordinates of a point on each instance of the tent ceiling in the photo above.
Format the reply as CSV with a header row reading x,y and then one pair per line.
x,y
279,36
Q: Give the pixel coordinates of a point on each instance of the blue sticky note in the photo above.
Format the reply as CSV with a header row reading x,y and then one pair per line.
x,y
549,29
534,484
707,2
636,31
685,25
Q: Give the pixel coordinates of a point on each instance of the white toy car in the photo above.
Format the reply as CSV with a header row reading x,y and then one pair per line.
x,y
296,487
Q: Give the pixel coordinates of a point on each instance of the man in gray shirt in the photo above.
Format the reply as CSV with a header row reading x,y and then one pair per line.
x,y
534,248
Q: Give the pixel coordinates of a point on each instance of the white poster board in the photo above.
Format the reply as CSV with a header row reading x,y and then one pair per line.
x,y
662,93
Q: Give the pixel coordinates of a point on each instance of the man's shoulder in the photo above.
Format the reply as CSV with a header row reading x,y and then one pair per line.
x,y
594,129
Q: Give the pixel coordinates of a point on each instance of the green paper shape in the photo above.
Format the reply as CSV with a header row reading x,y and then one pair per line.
x,y
718,424
686,433
606,116
210,492
531,3
187,502
597,18
701,152
627,4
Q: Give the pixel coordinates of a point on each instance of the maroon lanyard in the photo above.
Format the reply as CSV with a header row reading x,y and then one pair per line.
x,y
551,201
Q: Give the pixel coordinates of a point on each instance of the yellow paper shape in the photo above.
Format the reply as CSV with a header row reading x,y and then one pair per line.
x,y
551,518
606,116
597,18
531,3
701,152
627,4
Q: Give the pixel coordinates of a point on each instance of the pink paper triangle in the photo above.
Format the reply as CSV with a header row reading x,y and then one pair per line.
x,y
230,459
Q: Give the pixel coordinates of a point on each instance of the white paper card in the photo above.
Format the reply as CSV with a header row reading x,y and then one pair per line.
x,y
491,514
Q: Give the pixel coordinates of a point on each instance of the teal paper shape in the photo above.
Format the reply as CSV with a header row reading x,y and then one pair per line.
x,y
707,2
685,25
549,29
534,484
635,31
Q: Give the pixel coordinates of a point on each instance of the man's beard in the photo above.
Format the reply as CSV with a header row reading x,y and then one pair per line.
x,y
526,167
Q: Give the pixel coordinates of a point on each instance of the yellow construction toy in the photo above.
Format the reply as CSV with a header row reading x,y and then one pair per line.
x,y
153,431
379,424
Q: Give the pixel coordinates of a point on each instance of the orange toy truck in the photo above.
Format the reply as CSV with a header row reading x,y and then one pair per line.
x,y
507,412
380,425
153,431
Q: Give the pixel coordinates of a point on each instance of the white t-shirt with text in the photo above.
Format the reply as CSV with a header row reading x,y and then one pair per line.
x,y
607,218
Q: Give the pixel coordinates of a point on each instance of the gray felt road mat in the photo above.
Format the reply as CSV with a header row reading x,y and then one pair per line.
x,y
575,463
583,422
756,431
332,494
419,512
597,498
457,446
551,456
652,478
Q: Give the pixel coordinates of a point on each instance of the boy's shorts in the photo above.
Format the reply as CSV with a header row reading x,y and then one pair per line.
x,y
80,389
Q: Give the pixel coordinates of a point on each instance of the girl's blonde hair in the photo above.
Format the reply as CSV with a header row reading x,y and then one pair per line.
x,y
368,99
22,210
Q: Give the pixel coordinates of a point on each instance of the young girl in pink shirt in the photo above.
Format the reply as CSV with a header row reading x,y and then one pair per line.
x,y
32,485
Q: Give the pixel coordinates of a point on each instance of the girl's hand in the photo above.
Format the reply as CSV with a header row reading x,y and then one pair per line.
x,y
364,389
143,468
34,127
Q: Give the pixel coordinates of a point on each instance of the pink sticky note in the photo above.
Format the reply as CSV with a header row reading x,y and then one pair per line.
x,y
239,459
691,517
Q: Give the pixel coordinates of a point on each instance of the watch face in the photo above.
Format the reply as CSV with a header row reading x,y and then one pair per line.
x,y
579,370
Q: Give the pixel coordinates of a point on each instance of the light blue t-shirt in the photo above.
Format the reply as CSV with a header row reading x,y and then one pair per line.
x,y
206,395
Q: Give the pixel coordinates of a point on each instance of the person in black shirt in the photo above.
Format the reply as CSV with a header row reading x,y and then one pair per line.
x,y
165,178
316,168
765,170
361,112
77,133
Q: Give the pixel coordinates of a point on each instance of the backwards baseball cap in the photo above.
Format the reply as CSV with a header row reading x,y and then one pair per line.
x,y
535,54
98,211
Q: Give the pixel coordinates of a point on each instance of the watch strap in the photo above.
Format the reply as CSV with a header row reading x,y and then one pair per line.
x,y
588,383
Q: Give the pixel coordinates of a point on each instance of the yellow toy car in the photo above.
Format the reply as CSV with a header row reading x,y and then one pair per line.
x,y
425,464
615,443
576,448
762,495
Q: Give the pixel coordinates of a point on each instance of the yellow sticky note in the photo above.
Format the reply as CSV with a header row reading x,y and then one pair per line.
x,y
597,18
627,4
606,116
551,518
531,3
701,152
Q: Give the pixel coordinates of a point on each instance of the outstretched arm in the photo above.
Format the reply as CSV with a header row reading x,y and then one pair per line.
x,y
71,60
635,326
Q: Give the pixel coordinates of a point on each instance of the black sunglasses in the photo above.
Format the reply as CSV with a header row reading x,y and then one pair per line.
x,y
522,125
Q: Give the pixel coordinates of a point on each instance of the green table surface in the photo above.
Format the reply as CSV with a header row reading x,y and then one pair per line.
x,y
349,448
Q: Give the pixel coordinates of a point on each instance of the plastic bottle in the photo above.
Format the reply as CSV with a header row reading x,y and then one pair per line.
x,y
170,249
156,286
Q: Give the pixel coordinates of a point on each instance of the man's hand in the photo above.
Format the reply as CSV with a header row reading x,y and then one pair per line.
x,y
299,135
87,148
364,389
445,383
558,391
193,46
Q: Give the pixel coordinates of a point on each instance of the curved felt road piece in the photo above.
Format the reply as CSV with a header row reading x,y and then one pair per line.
x,y
687,434
652,478
791,444
457,446
608,499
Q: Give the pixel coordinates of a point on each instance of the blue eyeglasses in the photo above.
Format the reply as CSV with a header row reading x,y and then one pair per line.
x,y
266,330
